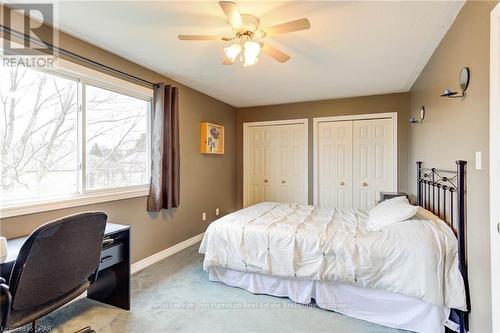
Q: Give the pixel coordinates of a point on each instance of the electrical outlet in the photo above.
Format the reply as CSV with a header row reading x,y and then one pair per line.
x,y
479,164
204,216
216,211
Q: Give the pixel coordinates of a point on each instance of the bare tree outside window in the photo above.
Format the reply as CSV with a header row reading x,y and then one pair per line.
x,y
38,134
117,143
39,137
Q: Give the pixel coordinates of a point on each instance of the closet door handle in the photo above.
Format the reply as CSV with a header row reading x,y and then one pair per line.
x,y
342,183
365,184
283,181
266,180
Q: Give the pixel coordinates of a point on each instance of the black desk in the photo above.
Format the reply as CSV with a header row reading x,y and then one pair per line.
x,y
113,279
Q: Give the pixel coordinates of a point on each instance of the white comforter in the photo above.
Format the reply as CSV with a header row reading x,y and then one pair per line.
x,y
416,258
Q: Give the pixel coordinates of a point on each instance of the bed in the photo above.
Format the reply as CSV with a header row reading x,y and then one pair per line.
x,y
410,275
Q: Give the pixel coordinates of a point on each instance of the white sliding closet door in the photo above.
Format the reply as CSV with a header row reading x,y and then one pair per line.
x,y
354,161
335,164
258,170
288,154
275,163
372,160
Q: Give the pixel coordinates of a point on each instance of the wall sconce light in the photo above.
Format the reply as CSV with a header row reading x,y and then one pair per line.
x,y
464,80
414,121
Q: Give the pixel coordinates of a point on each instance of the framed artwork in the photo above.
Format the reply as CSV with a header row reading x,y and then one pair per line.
x,y
212,138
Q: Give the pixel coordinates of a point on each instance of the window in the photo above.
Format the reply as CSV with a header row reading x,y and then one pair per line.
x,y
116,134
51,151
38,134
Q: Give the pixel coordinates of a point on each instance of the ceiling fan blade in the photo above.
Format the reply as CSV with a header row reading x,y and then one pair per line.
x,y
284,28
232,13
275,53
199,37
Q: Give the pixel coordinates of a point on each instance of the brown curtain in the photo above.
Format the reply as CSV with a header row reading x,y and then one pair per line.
x,y
165,162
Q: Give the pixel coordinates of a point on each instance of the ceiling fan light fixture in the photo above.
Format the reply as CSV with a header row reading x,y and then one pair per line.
x,y
251,50
246,30
232,51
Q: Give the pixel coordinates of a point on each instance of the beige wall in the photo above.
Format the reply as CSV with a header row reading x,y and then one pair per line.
x,y
346,106
455,129
207,182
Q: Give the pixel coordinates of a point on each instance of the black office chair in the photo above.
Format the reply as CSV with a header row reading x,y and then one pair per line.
x,y
56,264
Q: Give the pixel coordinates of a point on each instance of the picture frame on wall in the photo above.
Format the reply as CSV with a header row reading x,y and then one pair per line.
x,y
212,138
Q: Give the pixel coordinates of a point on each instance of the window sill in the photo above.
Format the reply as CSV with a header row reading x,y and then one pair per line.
x,y
72,201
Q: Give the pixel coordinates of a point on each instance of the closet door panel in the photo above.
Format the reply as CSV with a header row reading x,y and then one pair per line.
x,y
372,160
259,164
288,161
334,164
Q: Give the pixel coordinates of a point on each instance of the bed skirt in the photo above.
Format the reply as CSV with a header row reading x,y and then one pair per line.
x,y
373,305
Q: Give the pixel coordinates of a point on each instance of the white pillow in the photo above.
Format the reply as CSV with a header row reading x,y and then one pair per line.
x,y
389,212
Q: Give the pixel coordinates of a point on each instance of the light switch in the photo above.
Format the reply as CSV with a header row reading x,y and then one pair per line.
x,y
216,211
479,165
204,216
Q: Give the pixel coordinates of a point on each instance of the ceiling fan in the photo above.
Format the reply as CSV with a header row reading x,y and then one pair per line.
x,y
247,36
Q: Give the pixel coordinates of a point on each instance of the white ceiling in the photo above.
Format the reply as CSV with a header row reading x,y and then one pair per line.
x,y
352,49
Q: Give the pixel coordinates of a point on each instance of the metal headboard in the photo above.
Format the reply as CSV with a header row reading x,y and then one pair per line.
x,y
443,193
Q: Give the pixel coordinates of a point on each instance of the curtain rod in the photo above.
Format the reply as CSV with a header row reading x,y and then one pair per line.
x,y
73,55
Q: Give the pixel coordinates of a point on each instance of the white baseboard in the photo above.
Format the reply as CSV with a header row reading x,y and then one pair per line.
x,y
141,264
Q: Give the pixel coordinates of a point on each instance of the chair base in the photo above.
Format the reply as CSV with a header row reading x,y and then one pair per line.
x,y
86,329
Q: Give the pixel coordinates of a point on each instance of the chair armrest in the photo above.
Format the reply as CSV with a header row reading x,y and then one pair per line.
x,y
5,304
